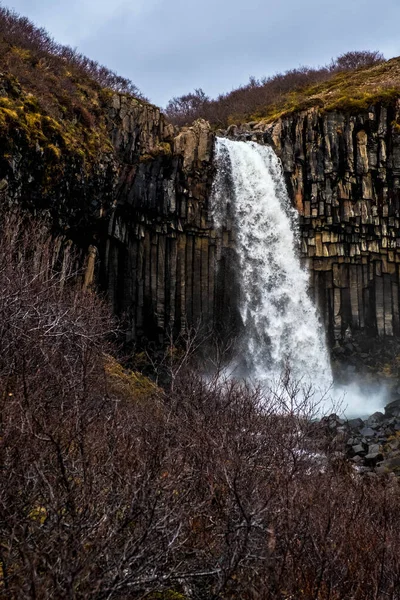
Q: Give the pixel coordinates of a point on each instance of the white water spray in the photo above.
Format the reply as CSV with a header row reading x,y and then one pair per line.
x,y
282,332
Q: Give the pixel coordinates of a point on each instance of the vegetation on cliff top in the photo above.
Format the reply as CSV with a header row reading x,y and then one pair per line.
x,y
50,95
352,82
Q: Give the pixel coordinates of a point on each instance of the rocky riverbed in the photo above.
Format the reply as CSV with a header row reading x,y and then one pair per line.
x,y
372,445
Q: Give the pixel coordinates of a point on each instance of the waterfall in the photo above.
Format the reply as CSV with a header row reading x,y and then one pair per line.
x,y
281,329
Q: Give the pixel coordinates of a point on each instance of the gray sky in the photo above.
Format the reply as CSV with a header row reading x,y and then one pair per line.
x,y
169,47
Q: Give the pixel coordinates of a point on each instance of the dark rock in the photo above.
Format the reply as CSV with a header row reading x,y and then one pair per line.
x,y
373,448
357,459
391,464
355,423
368,432
373,458
393,408
358,449
332,422
375,420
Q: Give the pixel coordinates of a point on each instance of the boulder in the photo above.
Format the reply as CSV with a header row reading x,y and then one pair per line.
x,y
389,465
355,423
375,420
357,459
373,448
368,432
393,409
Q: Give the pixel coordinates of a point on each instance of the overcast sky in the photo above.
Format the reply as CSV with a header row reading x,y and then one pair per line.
x,y
169,47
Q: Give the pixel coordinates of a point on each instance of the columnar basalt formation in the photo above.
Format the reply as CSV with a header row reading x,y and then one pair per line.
x,y
160,255
140,208
343,173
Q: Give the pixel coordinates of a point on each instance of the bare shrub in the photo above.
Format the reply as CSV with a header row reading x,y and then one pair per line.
x,y
251,100
18,32
357,59
201,490
185,109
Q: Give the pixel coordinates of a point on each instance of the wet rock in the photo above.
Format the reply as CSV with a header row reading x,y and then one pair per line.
x,y
368,432
355,423
375,420
393,408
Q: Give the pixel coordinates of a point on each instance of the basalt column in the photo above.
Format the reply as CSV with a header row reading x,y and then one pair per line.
x,y
343,174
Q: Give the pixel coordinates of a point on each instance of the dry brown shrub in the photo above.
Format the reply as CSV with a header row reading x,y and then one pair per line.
x,y
253,99
205,489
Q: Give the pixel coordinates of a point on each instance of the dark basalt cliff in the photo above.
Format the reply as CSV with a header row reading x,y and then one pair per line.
x,y
143,207
158,261
343,173
134,196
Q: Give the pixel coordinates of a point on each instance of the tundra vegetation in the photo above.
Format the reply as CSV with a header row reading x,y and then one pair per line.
x,y
52,98
353,80
114,487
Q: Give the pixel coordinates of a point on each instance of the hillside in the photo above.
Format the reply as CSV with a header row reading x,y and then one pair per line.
x,y
348,91
352,82
53,99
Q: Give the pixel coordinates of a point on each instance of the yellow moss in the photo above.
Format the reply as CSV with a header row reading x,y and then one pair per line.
x,y
54,150
39,514
33,120
6,102
164,148
145,158
129,384
351,91
9,113
62,138
21,53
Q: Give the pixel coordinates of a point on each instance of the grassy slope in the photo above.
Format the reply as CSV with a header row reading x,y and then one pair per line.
x,y
348,91
50,106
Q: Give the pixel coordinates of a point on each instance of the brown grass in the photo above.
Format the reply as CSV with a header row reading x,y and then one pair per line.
x,y
111,487
351,83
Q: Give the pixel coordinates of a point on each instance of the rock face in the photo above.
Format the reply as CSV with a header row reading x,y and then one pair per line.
x,y
343,173
144,210
158,262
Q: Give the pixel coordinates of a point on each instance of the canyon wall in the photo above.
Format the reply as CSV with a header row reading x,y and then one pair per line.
x,y
144,208
343,174
158,262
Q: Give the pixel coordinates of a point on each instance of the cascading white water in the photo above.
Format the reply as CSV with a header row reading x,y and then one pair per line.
x,y
282,332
